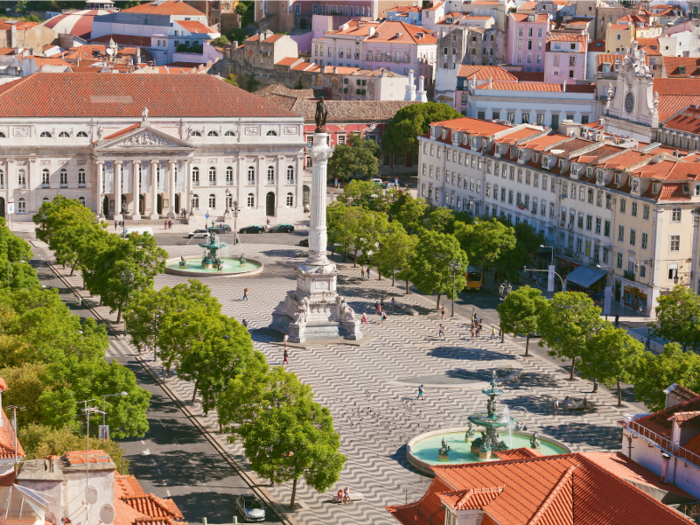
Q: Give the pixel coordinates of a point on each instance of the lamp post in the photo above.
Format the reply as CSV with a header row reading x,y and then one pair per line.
x,y
235,223
551,248
102,206
526,269
88,410
104,407
191,203
454,267
128,279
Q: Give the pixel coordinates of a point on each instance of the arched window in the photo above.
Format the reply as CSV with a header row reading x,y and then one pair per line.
x,y
229,201
290,173
64,178
21,179
290,200
229,133
196,134
81,200
213,134
270,175
45,178
271,133
212,176
82,134
64,135
229,175
195,176
45,135
81,177
251,200
45,199
2,135
195,201
212,201
21,206
251,175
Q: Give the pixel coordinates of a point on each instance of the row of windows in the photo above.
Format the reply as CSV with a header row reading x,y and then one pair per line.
x,y
250,200
82,134
319,9
251,175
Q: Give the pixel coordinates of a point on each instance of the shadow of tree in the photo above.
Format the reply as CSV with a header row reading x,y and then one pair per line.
x,y
585,434
475,354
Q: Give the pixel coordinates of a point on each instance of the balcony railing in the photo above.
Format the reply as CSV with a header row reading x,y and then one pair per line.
x,y
629,276
665,443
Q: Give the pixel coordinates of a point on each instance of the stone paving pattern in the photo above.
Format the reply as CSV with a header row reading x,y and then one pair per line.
x,y
375,413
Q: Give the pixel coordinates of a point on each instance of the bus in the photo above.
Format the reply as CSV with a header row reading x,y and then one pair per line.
x,y
474,277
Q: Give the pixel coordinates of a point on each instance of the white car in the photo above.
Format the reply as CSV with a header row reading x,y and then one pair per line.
x,y
198,234
250,507
377,181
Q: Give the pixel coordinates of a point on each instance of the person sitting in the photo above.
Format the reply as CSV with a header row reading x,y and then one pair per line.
x,y
339,496
346,496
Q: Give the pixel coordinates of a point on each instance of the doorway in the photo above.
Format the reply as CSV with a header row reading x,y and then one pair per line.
x,y
307,195
618,291
142,205
105,206
177,208
2,207
160,204
124,207
270,204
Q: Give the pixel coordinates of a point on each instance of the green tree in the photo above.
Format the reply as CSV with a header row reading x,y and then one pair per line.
x,y
441,220
343,223
678,318
236,34
430,264
372,227
612,357
139,255
657,372
401,136
221,41
357,157
409,212
567,323
365,194
519,313
485,240
511,261
396,249
24,387
231,79
294,441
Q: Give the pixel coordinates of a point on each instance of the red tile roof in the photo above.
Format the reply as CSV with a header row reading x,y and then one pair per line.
x,y
560,36
539,86
124,40
620,27
21,25
60,95
669,170
485,73
355,28
544,491
673,66
3,385
410,34
528,76
596,45
472,126
522,17
195,27
287,61
169,8
80,457
519,453
540,143
686,419
7,438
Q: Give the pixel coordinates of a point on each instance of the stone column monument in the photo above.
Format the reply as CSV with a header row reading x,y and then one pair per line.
x,y
315,311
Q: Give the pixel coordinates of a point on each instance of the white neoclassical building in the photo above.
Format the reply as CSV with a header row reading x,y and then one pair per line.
x,y
146,147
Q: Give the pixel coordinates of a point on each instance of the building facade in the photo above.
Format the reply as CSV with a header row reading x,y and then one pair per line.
x,y
143,147
527,39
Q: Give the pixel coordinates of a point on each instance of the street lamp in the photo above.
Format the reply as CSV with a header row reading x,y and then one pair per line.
x,y
104,408
236,240
228,198
454,267
526,269
102,206
608,284
128,279
191,203
551,248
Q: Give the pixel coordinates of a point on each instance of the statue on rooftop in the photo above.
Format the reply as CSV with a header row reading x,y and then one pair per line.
x,y
321,116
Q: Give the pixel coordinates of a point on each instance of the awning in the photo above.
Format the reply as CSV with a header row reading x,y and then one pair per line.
x,y
584,276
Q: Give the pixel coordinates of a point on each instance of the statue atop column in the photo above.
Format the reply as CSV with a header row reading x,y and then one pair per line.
x,y
321,116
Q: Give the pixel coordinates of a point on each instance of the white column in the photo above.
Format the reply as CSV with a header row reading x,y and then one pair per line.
x,y
154,190
171,189
118,190
318,238
136,189
187,202
100,184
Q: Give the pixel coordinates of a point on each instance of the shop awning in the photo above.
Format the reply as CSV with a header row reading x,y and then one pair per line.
x,y
584,276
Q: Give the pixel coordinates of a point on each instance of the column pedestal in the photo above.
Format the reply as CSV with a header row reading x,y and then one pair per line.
x,y
315,311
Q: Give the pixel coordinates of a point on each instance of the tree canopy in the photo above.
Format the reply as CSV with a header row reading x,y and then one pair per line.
x,y
411,121
409,212
485,240
678,318
520,313
357,157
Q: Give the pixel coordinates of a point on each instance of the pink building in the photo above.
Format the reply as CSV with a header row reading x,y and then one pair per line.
x,y
527,39
565,60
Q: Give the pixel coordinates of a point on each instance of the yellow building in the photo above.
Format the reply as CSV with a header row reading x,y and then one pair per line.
x,y
619,38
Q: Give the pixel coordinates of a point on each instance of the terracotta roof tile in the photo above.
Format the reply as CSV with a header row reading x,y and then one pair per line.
x,y
485,73
287,61
127,486
596,45
673,66
171,7
519,453
410,34
7,439
472,126
522,17
124,40
195,27
153,506
355,28
80,457
540,143
538,86
516,135
560,36
680,393
470,499
60,95
21,25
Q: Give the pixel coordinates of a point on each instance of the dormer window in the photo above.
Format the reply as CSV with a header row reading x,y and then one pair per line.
x,y
617,178
520,154
635,185
574,168
444,133
599,175
589,171
561,163
655,187
545,162
697,190
536,157
686,189
474,142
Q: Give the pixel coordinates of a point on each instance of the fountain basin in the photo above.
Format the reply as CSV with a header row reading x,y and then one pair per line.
x,y
422,451
194,268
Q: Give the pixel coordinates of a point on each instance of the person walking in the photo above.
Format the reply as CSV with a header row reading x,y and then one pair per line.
x,y
362,271
286,338
116,224
556,406
566,403
286,355
421,391
472,332
336,182
383,316
442,312
378,308
617,320
364,317
441,331
245,323
368,271
165,225
493,332
245,294
393,303
170,225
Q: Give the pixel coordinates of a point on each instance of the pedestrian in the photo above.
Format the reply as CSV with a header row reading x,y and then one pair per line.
x,y
617,320
368,271
556,406
285,362
585,404
245,294
472,332
378,308
362,271
566,403
170,225
441,331
245,323
493,332
481,324
336,182
393,303
286,338
115,224
421,391
478,329
383,317
364,317
648,344
442,312
165,226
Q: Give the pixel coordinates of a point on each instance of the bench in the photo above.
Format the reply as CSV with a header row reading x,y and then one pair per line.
x,y
354,496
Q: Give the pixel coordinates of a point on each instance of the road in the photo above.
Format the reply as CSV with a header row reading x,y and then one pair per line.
x,y
181,464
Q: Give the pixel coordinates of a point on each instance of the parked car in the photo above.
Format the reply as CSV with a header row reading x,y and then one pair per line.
x,y
220,228
253,228
198,233
304,242
250,507
282,228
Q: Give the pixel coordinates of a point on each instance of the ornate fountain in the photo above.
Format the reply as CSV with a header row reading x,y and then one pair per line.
x,y
490,440
211,257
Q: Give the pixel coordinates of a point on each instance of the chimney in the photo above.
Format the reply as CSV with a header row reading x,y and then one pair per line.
x,y
371,31
421,95
410,87
664,468
563,87
490,82
335,70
